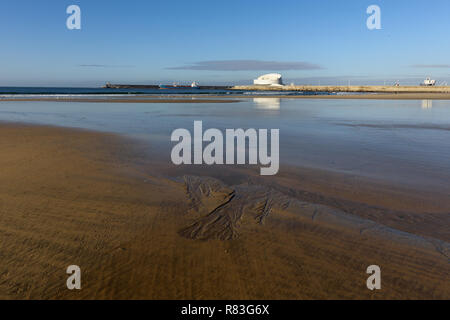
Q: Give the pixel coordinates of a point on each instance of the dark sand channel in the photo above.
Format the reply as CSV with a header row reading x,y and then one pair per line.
x,y
141,229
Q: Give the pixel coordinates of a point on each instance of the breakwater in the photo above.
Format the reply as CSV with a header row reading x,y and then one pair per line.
x,y
374,89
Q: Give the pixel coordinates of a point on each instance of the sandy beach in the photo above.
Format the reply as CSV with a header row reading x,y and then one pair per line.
x,y
225,159
140,228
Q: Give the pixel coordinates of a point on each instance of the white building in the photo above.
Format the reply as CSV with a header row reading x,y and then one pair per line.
x,y
271,79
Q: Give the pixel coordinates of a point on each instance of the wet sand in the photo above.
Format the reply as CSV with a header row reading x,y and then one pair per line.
x,y
140,228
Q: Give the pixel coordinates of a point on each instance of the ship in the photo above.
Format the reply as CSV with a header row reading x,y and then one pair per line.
x,y
193,85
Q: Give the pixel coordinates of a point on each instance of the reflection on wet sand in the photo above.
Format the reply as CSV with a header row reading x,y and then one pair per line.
x,y
427,104
267,103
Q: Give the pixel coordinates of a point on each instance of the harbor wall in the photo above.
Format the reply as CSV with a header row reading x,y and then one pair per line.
x,y
375,89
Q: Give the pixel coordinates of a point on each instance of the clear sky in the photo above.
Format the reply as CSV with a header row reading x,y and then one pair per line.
x,y
233,41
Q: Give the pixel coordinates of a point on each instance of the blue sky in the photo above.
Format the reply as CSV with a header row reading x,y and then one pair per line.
x,y
321,41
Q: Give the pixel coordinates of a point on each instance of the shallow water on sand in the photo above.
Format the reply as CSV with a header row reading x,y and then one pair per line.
x,y
401,141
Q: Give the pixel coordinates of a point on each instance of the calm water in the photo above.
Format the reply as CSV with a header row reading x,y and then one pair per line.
x,y
38,91
20,92
406,142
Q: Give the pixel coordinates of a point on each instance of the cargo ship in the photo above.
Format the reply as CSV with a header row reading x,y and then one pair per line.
x,y
193,85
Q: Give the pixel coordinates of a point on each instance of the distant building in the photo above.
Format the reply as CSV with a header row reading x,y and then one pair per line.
x,y
271,79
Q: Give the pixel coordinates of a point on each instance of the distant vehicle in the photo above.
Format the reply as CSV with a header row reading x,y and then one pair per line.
x,y
429,82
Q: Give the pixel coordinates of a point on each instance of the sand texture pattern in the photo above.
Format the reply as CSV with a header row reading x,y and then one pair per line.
x,y
140,232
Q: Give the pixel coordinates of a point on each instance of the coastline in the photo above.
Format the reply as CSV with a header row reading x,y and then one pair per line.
x,y
137,99
213,98
369,89
99,201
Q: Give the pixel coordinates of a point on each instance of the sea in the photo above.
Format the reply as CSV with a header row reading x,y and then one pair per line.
x,y
405,142
20,92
